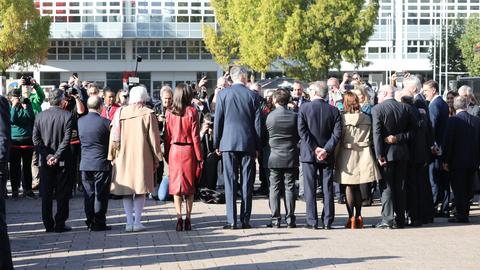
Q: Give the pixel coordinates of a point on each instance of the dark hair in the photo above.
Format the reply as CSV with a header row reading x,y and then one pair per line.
x,y
281,96
182,98
56,97
453,93
350,102
433,84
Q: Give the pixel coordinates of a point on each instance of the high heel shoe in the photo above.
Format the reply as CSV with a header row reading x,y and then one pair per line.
x,y
353,221
348,225
359,223
179,225
188,225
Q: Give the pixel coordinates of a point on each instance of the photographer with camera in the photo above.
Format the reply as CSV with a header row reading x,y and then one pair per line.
x,y
200,98
75,97
29,87
22,118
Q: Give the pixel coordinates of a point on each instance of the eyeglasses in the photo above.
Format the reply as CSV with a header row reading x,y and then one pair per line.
x,y
356,78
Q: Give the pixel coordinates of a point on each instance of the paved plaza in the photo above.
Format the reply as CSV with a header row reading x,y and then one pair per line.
x,y
208,246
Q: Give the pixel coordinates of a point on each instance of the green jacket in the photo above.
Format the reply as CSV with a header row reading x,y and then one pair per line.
x,y
22,122
36,98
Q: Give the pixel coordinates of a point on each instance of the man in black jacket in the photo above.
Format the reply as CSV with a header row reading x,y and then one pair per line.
x,y
52,132
6,255
320,129
283,159
393,128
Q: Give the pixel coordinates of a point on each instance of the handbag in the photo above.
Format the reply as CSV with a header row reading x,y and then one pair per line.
x,y
163,189
198,171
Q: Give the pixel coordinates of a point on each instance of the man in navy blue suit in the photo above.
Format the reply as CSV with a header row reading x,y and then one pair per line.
x,y
237,136
438,111
94,132
5,133
461,155
320,129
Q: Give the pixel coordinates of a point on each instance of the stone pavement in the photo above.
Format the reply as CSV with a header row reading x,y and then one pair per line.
x,y
437,246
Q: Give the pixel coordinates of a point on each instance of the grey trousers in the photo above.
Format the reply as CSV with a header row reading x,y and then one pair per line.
x,y
282,180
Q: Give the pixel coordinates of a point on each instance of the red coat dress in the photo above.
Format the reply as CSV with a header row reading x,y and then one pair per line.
x,y
182,144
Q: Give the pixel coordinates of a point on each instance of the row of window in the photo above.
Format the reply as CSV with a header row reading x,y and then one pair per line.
x,y
172,50
165,3
133,19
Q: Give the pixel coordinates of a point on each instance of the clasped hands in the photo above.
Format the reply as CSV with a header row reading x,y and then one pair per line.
x,y
391,139
51,160
320,153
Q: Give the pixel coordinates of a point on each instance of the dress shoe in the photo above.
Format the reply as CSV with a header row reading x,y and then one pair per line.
x,y
353,221
274,225
100,228
396,225
359,222
246,226
188,225
29,195
348,225
229,227
291,225
261,191
383,225
15,196
179,226
65,228
458,220
139,227
415,223
442,215
311,227
49,230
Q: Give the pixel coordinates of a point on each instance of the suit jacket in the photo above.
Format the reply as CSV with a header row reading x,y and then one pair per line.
x,y
5,130
461,148
420,147
94,133
237,124
52,132
319,125
438,111
393,118
283,138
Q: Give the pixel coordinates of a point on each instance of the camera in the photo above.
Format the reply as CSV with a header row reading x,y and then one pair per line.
x,y
28,80
71,91
202,94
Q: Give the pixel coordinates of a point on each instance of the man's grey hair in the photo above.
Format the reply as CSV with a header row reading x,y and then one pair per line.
x,y
138,94
413,80
460,103
237,72
166,88
56,97
319,89
94,103
465,88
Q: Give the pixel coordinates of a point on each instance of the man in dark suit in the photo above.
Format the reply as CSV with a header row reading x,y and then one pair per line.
x,y
5,140
461,155
94,132
438,112
418,189
237,136
393,128
283,159
320,129
51,136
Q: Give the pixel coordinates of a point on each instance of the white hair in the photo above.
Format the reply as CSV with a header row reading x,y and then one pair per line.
x,y
465,88
166,88
138,94
237,72
413,80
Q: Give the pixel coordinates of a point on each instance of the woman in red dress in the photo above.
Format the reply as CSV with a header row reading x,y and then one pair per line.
x,y
182,146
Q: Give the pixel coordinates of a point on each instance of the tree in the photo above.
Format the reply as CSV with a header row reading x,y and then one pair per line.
x,y
249,30
455,57
468,44
321,35
23,34
308,36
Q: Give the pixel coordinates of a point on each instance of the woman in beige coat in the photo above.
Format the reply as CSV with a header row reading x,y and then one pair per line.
x,y
135,154
355,162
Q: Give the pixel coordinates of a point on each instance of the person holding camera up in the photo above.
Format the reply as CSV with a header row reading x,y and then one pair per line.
x,y
36,95
22,118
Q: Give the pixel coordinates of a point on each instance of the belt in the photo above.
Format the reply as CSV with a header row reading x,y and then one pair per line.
x,y
359,144
180,143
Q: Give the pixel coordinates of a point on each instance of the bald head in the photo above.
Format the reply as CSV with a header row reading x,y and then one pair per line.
x,y
94,104
386,92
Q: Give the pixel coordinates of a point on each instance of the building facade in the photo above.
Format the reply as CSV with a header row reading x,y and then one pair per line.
x,y
101,39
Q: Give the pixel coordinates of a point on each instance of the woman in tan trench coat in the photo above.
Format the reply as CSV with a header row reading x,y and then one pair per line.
x,y
135,153
355,162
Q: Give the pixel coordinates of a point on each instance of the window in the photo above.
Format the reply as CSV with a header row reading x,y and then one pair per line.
x,y
89,53
50,78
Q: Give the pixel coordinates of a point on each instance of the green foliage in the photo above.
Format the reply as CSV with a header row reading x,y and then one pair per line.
x,y
309,36
468,42
455,58
23,34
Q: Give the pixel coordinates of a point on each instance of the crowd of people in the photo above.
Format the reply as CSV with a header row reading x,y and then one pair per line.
x,y
339,137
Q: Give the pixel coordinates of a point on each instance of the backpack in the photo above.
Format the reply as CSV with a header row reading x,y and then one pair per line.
x,y
211,196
